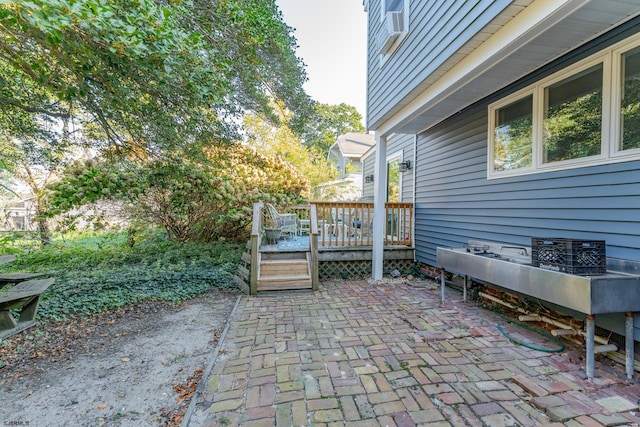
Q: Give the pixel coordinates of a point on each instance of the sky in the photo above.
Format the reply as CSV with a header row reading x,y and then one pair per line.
x,y
332,42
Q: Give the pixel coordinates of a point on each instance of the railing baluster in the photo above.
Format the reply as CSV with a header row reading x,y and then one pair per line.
x,y
349,223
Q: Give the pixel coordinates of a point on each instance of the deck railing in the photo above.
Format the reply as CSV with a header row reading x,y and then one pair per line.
x,y
351,223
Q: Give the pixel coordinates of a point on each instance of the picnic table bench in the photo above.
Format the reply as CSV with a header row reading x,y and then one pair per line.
x,y
24,296
6,278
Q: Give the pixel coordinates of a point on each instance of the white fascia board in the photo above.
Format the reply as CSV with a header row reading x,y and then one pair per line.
x,y
533,20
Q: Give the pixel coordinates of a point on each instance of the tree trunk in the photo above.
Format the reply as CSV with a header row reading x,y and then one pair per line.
x,y
43,225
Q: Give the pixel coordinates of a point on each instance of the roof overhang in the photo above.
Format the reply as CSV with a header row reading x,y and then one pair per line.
x,y
540,33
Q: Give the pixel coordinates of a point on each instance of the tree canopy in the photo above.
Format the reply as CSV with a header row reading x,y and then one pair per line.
x,y
145,72
156,90
327,122
282,142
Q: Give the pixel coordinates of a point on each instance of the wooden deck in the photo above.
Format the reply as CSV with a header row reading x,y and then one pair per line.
x,y
336,245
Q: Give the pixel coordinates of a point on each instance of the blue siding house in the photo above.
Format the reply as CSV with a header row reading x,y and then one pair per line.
x,y
526,117
400,172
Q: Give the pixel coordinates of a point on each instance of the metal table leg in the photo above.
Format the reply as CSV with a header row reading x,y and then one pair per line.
x,y
442,284
464,288
591,332
629,344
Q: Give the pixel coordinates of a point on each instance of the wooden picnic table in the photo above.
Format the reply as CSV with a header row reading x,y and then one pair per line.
x,y
18,277
25,297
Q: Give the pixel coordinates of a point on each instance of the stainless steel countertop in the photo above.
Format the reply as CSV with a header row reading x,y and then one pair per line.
x,y
607,293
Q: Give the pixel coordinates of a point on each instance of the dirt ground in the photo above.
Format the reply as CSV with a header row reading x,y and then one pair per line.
x,y
138,366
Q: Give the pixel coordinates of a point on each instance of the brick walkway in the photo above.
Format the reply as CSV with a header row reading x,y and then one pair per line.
x,y
355,354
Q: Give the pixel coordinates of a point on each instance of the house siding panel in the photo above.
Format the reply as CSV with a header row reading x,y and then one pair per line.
x,y
395,143
450,25
368,168
455,201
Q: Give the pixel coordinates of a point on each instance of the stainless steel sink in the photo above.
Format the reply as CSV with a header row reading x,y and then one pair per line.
x,y
607,293
500,257
613,292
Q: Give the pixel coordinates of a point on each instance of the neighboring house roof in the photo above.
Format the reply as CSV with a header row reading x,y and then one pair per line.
x,y
353,145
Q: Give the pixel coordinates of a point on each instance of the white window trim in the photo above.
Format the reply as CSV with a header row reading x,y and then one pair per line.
x,y
492,123
612,76
616,99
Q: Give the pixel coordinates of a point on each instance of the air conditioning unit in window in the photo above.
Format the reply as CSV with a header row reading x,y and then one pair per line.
x,y
392,27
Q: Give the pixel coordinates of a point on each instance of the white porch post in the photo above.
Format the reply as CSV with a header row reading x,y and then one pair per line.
x,y
379,199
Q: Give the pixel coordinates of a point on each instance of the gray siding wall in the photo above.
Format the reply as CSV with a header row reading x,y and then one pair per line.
x,y
455,202
444,26
368,168
395,143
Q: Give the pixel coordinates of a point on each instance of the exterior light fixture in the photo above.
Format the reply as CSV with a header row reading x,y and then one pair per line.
x,y
368,178
404,166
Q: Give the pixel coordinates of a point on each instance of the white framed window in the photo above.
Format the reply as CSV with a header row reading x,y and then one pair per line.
x,y
392,5
584,115
625,134
511,122
394,177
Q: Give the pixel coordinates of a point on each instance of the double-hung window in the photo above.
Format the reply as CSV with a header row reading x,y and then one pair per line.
x,y
587,114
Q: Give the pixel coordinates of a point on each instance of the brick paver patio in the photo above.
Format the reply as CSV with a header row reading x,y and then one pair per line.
x,y
358,354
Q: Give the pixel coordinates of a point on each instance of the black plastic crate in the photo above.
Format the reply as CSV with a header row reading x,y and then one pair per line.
x,y
581,257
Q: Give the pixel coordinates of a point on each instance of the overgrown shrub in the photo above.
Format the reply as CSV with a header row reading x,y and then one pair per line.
x,y
101,272
204,197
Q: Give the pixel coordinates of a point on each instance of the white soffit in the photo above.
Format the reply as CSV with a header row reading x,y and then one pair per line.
x,y
534,37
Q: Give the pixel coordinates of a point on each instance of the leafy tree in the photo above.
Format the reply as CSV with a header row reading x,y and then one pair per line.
x,y
513,144
328,122
630,113
282,142
144,72
195,198
573,129
135,77
32,150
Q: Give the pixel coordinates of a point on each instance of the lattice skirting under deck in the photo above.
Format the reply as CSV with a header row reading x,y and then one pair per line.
x,y
336,269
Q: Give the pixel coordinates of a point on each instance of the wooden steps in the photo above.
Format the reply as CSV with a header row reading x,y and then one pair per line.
x,y
284,273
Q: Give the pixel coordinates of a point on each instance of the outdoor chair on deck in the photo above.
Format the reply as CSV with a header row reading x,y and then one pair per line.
x,y
287,222
304,226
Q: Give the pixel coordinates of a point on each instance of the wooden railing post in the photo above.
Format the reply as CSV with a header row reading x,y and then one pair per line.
x,y
256,226
313,246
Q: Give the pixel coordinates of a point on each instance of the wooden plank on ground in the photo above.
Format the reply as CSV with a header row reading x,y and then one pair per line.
x,y
242,285
244,273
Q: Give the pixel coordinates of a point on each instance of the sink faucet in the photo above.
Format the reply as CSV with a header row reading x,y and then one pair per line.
x,y
522,249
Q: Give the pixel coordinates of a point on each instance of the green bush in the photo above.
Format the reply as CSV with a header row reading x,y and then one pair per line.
x,y
95,273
